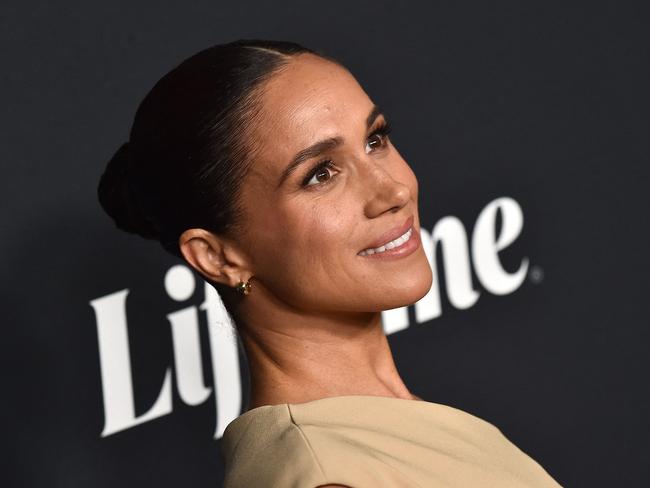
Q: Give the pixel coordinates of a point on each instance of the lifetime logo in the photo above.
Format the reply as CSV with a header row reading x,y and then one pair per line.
x,y
180,283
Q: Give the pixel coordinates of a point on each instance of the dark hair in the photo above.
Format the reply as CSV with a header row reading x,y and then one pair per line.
x,y
186,156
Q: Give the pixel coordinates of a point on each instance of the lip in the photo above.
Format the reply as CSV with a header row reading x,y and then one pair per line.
x,y
405,249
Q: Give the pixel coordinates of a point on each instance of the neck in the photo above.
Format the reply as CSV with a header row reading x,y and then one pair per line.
x,y
303,358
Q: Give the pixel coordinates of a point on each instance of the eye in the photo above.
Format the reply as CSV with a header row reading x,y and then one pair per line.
x,y
375,141
321,174
378,138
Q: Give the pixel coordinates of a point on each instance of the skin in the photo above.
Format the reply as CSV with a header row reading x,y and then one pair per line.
x,y
311,326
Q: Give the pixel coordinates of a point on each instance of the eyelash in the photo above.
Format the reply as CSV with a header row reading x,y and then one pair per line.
x,y
383,130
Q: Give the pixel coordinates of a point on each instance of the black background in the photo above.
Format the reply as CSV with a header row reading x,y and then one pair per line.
x,y
546,104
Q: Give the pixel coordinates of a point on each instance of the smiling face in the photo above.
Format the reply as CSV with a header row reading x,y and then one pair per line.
x,y
309,219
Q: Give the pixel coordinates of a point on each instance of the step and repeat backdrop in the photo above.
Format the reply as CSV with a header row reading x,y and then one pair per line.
x,y
527,127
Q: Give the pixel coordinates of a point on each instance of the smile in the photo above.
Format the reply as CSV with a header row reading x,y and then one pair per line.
x,y
395,243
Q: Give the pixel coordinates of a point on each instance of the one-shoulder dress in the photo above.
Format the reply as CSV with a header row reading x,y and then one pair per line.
x,y
363,441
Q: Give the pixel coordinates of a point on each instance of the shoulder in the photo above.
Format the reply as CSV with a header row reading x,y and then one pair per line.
x,y
265,448
271,447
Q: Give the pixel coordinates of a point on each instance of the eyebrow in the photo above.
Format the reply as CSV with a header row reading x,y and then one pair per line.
x,y
322,146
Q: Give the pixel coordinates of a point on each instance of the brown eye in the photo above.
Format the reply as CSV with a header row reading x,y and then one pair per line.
x,y
376,141
323,173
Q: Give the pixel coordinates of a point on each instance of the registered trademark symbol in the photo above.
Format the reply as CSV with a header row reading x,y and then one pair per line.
x,y
536,274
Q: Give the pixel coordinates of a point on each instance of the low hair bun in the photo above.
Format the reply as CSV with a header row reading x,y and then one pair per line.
x,y
117,199
189,151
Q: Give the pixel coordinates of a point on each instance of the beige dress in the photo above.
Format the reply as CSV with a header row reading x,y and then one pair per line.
x,y
364,441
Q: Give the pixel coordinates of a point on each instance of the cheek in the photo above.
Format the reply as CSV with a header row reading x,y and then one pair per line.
x,y
312,234
303,247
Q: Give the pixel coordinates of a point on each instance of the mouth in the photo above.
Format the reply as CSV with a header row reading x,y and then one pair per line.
x,y
397,242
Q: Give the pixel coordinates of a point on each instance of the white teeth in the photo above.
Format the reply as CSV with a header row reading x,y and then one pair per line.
x,y
389,245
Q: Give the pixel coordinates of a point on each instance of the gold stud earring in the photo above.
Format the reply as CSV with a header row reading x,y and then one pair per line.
x,y
244,288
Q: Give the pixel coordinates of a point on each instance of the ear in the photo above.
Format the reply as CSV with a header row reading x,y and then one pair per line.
x,y
215,257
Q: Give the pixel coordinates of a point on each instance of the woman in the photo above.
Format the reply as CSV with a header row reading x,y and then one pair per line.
x,y
267,168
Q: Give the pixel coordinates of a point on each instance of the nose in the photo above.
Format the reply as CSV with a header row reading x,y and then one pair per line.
x,y
385,193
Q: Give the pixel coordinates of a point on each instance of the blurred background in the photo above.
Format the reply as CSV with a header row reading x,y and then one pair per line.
x,y
524,121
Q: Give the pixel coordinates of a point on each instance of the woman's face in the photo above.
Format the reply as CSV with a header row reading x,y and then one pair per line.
x,y
307,226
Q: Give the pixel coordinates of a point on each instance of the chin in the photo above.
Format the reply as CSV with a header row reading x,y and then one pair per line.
x,y
410,290
416,285
423,286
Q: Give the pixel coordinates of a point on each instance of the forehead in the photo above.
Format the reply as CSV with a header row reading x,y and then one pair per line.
x,y
308,100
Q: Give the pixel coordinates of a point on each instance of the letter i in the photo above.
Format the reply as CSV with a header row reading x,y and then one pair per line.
x,y
225,360
180,285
